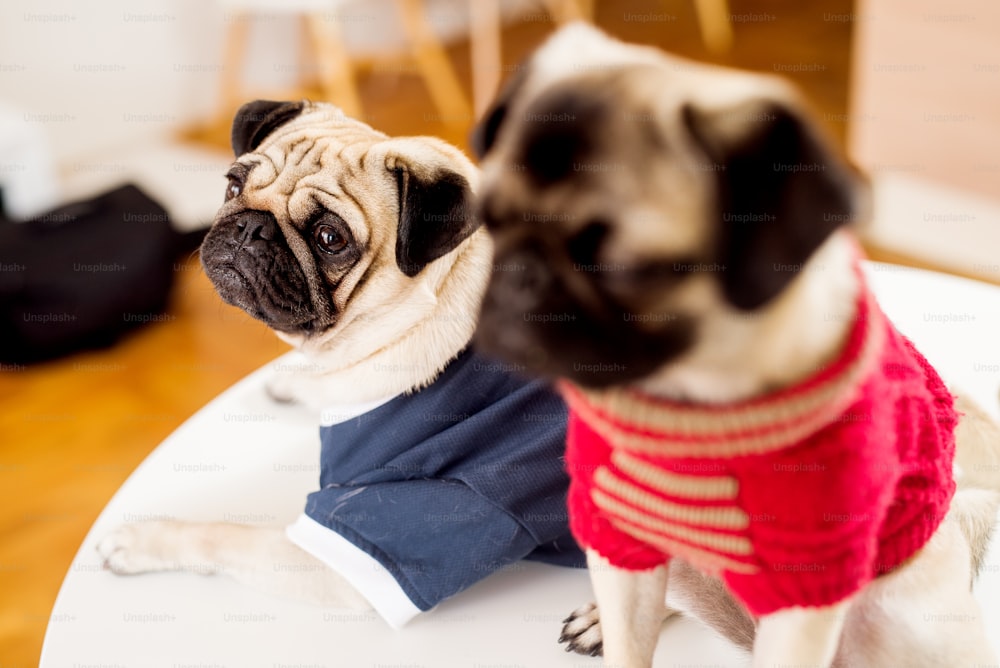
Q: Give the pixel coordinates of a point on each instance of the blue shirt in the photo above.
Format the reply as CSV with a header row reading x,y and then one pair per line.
x,y
451,483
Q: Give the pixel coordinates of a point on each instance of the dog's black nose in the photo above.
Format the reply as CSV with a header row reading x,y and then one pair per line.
x,y
256,226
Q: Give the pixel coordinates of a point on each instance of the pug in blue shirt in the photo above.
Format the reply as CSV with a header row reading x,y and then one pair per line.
x,y
438,466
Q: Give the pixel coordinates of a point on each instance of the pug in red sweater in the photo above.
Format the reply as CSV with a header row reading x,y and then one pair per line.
x,y
738,400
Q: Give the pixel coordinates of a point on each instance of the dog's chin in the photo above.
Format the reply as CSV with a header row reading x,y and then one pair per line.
x,y
237,290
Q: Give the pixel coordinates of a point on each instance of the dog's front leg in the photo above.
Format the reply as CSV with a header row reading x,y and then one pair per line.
x,y
806,637
632,610
259,557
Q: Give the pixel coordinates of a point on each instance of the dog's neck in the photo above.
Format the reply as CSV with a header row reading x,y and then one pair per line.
x,y
744,355
425,331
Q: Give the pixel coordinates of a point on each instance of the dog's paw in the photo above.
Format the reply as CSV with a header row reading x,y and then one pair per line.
x,y
142,548
582,631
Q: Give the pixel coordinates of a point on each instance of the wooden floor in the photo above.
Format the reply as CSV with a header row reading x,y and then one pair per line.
x,y
71,431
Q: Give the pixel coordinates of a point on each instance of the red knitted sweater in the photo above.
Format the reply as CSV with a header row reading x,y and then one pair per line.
x,y
798,498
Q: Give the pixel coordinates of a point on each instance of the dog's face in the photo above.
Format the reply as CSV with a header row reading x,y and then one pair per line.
x,y
632,195
321,209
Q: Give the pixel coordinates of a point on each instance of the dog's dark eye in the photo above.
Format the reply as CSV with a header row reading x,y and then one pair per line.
x,y
233,189
328,239
236,176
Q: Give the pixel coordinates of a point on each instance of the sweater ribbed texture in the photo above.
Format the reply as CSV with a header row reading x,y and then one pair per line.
x,y
799,497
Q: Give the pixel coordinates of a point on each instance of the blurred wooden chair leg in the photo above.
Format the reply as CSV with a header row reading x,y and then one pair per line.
x,y
713,21
484,43
432,60
336,76
307,68
233,51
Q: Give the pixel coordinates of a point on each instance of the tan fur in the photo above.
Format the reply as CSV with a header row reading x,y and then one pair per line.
x,y
259,557
707,599
740,355
979,461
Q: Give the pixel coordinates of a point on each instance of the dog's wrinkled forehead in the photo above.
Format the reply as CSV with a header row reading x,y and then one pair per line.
x,y
264,123
300,144
307,161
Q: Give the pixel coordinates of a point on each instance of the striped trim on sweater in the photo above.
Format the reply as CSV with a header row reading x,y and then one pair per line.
x,y
643,424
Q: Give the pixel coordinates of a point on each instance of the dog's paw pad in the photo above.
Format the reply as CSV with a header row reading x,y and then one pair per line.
x,y
582,631
131,549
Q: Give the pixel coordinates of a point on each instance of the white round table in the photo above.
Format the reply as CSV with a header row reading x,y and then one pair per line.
x,y
243,458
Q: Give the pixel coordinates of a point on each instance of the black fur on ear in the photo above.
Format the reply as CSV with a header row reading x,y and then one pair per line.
x,y
435,215
782,190
485,133
256,120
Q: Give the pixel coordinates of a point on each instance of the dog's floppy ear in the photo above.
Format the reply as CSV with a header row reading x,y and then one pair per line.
x,y
782,190
485,133
256,120
436,211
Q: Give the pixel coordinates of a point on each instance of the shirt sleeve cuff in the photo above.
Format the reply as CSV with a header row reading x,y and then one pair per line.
x,y
361,570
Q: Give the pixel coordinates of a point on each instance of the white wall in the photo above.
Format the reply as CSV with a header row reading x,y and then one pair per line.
x,y
926,91
99,73
108,72
925,123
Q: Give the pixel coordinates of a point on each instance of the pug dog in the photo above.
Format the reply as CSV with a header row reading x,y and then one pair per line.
x,y
364,253
738,401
